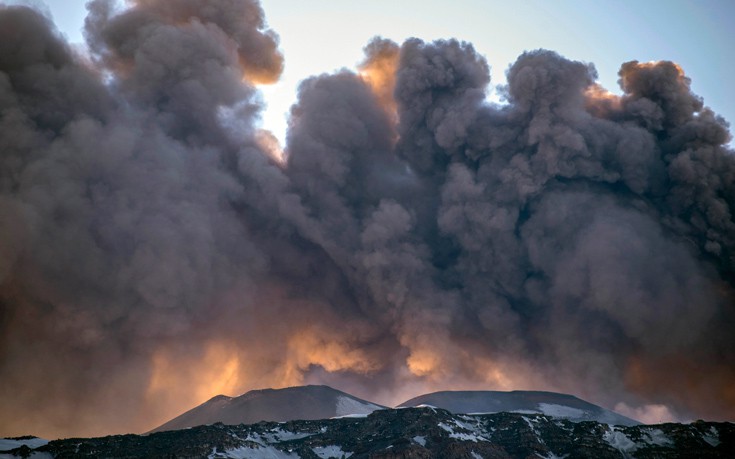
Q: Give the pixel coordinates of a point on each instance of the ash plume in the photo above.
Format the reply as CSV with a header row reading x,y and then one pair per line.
x,y
154,252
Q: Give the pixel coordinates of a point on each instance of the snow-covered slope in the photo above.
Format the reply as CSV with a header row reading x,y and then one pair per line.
x,y
412,433
303,402
549,403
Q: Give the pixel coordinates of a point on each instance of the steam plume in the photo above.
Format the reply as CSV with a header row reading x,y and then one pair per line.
x,y
153,253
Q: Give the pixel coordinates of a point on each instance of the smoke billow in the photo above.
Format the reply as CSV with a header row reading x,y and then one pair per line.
x,y
154,251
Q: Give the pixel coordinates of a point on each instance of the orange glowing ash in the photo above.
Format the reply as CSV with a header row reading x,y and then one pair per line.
x,y
378,70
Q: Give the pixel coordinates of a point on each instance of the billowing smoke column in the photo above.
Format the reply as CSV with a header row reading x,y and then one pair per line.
x,y
155,251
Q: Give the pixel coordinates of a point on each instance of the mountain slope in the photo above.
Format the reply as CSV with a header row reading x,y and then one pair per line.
x,y
548,403
414,433
303,402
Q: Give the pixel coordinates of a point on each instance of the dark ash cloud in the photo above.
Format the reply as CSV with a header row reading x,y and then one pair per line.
x,y
154,252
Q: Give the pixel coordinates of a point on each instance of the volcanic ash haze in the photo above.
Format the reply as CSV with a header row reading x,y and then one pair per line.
x,y
155,251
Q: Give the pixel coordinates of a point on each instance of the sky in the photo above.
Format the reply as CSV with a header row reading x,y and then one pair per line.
x,y
409,234
695,34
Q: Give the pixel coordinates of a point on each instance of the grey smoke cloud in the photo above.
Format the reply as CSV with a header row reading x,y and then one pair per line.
x,y
154,253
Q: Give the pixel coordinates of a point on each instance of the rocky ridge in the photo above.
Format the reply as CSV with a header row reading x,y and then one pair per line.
x,y
407,433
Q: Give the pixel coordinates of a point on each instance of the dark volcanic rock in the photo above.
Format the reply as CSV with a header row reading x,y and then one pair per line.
x,y
416,433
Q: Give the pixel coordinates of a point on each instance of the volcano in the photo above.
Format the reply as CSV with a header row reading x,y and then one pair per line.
x,y
324,402
277,405
527,402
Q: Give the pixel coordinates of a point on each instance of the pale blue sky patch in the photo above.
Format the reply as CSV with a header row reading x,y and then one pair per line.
x,y
320,36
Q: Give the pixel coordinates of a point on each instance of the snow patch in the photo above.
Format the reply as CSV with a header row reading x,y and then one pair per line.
x,y
475,455
326,452
420,440
275,436
532,424
446,427
658,437
561,411
712,437
267,452
561,425
473,436
279,434
467,437
552,456
619,441
347,405
349,416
